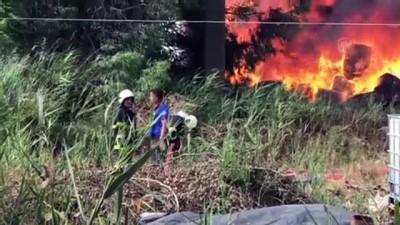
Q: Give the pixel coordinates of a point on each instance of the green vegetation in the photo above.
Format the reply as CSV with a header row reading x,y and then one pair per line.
x,y
58,87
55,127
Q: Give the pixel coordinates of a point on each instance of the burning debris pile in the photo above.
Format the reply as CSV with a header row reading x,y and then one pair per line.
x,y
332,52
356,61
387,92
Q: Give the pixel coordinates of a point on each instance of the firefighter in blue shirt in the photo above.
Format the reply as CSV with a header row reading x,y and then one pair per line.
x,y
124,125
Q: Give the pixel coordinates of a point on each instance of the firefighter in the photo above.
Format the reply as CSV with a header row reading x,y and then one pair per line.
x,y
177,125
124,125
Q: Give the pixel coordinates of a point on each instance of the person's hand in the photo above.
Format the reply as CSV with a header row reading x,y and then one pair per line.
x,y
133,108
147,144
161,144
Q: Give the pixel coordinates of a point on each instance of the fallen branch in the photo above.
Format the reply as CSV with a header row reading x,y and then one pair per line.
x,y
165,186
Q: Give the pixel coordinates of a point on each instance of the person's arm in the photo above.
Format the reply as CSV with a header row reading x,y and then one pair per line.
x,y
161,141
135,126
115,127
134,122
134,110
164,129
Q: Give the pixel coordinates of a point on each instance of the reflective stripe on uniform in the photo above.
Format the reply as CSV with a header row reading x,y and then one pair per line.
x,y
122,132
172,133
119,125
118,142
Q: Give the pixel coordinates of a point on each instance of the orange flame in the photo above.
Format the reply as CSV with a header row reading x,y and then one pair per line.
x,y
346,59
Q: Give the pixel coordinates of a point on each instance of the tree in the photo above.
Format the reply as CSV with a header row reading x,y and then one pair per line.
x,y
90,37
237,52
248,54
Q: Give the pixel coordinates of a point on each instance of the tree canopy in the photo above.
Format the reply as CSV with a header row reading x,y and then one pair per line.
x,y
182,44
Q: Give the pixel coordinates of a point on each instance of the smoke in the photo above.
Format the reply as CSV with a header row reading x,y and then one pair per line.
x,y
354,11
382,11
327,40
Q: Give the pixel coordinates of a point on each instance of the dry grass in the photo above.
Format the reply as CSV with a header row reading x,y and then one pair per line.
x,y
196,188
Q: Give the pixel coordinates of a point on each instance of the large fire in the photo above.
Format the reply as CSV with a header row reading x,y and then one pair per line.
x,y
345,57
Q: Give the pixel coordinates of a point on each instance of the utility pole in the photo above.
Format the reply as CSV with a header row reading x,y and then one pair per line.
x,y
214,37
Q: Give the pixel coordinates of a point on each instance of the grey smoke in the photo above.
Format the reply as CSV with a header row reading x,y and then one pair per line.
x,y
313,38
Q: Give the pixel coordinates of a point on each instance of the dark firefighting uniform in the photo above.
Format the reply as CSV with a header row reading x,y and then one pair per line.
x,y
176,125
124,128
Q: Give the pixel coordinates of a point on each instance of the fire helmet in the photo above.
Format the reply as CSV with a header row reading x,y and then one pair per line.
x,y
182,114
124,95
190,120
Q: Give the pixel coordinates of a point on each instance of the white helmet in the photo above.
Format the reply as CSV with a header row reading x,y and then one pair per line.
x,y
191,122
124,95
182,114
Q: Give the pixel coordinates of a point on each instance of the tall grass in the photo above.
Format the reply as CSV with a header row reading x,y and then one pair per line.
x,y
55,118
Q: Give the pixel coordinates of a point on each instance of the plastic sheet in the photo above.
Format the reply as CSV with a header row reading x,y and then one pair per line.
x,y
278,215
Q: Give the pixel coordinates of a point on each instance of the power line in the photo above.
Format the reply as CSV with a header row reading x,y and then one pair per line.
x,y
196,21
